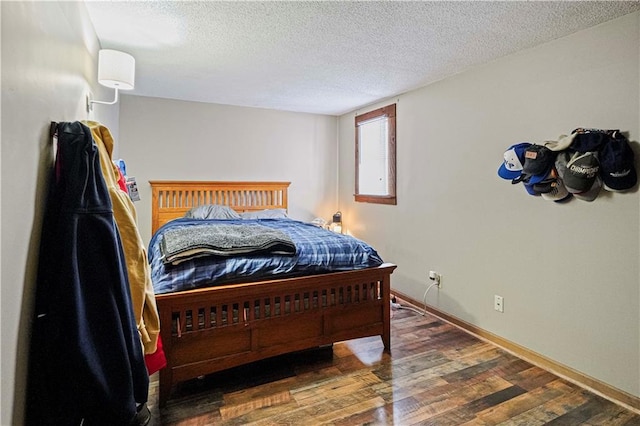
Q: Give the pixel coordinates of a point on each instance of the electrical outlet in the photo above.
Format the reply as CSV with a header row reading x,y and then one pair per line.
x,y
436,277
498,303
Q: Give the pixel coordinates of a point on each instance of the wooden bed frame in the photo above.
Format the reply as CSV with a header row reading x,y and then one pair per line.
x,y
211,329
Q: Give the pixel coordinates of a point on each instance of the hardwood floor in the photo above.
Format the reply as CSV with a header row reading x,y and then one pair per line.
x,y
436,375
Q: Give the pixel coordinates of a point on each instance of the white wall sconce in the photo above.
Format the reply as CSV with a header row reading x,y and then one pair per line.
x,y
116,70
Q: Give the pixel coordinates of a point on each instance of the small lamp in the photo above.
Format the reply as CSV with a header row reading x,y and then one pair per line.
x,y
116,70
336,223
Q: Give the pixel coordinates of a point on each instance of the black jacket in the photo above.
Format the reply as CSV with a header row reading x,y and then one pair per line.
x,y
86,359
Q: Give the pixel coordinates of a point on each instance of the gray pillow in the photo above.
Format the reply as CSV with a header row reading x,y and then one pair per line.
x,y
265,214
212,211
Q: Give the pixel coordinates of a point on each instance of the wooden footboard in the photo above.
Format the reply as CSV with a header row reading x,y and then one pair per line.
x,y
212,329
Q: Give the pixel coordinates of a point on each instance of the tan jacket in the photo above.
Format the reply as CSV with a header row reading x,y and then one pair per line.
x,y
142,295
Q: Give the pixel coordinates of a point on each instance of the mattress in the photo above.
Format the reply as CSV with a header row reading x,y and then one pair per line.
x,y
317,251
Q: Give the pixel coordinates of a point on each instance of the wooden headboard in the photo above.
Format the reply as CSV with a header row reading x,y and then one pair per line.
x,y
172,199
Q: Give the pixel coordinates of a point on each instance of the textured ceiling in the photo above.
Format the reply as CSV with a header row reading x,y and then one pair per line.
x,y
324,57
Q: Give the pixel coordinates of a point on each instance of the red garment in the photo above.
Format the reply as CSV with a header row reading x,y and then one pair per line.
x,y
157,360
121,182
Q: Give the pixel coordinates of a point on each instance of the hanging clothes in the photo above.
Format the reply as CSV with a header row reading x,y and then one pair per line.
x,y
141,287
86,361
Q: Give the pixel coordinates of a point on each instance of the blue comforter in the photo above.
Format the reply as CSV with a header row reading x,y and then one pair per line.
x,y
317,251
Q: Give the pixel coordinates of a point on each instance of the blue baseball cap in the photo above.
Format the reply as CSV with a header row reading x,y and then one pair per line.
x,y
513,164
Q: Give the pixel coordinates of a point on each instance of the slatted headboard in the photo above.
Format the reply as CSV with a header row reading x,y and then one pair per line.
x,y
172,199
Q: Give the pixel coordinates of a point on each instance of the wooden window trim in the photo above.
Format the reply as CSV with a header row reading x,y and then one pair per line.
x,y
390,112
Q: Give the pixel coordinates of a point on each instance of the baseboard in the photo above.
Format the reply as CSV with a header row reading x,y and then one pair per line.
x,y
593,385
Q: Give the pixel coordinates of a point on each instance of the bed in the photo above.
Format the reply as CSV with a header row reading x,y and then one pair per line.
x,y
216,327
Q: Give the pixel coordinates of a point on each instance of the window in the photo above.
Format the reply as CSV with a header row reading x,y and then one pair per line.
x,y
376,156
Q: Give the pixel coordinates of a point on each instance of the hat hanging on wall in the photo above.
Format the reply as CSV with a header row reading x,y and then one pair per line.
x,y
511,167
617,165
589,140
538,162
563,142
592,193
529,187
558,192
577,165
582,170
552,188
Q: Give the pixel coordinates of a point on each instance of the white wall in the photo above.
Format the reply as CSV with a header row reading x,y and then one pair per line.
x,y
49,53
569,273
162,139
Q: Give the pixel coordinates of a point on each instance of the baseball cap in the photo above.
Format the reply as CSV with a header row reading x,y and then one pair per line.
x,y
538,162
558,192
592,193
616,164
552,188
511,167
589,140
582,170
563,142
529,187
561,162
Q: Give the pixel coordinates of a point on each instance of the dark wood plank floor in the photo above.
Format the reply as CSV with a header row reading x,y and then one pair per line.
x,y
436,375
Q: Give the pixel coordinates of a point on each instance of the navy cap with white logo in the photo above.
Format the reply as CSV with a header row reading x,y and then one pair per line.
x,y
616,161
